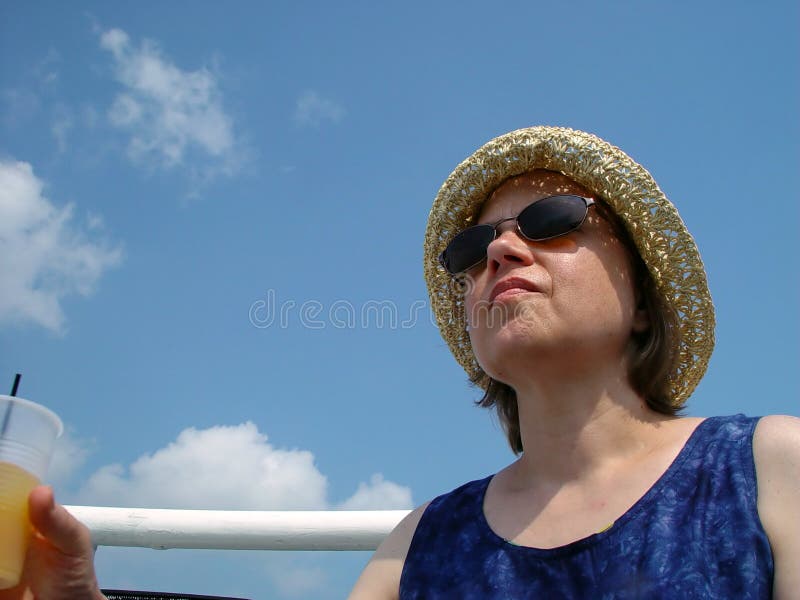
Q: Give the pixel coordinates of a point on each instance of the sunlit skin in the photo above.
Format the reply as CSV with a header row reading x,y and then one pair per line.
x,y
584,308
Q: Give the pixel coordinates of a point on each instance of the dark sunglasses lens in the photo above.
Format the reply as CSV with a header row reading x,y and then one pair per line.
x,y
467,249
551,217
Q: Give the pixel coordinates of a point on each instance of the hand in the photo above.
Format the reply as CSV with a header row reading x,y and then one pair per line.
x,y
60,560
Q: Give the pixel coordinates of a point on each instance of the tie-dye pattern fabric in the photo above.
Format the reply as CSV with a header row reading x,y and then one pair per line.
x,y
694,534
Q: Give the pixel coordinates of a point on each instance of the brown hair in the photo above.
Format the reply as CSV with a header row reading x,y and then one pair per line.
x,y
651,355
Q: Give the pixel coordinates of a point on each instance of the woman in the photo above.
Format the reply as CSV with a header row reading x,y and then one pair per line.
x,y
579,303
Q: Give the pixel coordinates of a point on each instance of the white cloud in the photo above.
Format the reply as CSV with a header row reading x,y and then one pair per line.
x,y
221,467
312,109
44,255
228,467
167,111
125,111
378,494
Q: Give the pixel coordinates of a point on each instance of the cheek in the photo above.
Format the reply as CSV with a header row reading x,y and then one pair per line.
x,y
472,288
602,289
482,324
488,346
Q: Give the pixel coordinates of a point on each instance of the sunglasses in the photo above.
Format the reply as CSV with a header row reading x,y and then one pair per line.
x,y
545,219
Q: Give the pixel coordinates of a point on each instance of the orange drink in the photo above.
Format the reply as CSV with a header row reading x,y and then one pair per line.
x,y
15,485
28,432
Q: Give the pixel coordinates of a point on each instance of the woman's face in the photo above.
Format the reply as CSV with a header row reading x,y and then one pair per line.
x,y
564,302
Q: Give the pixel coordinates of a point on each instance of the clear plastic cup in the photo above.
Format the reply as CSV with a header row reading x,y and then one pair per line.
x,y
28,433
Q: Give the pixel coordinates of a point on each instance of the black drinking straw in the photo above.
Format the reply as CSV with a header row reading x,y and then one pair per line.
x,y
14,387
7,416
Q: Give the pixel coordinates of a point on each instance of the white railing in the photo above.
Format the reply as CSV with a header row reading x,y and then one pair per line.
x,y
237,530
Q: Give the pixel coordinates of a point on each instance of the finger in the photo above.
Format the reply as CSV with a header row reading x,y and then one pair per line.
x,y
54,523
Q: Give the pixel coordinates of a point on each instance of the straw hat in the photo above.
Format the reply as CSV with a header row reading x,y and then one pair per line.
x,y
668,250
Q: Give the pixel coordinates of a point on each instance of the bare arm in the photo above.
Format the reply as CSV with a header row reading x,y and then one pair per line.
x,y
776,446
380,579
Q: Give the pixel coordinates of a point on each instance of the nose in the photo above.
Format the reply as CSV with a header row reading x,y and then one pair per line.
x,y
508,248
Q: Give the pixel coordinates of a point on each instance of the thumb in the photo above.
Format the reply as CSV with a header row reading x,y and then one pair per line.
x,y
53,522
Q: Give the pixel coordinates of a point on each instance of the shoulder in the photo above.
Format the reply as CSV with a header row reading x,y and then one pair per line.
x,y
397,543
381,577
782,430
776,451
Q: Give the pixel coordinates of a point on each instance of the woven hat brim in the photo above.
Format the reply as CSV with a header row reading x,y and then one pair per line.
x,y
664,243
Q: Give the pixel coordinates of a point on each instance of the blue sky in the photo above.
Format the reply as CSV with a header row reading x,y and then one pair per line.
x,y
172,174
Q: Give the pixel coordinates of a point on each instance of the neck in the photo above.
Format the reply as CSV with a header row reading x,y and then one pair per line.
x,y
574,426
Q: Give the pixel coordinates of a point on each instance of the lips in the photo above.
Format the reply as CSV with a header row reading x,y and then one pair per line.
x,y
511,286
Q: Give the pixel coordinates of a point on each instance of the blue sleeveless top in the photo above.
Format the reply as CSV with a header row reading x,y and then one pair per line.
x,y
695,534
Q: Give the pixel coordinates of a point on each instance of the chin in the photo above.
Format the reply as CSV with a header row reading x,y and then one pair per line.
x,y
502,353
